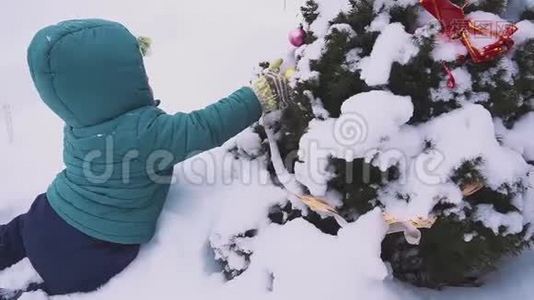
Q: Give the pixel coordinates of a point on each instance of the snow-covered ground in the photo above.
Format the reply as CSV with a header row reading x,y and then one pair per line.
x,y
202,51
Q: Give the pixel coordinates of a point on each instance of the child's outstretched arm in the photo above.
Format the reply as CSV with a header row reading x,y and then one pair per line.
x,y
187,134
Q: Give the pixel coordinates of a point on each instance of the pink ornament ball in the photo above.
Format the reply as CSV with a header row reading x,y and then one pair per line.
x,y
297,37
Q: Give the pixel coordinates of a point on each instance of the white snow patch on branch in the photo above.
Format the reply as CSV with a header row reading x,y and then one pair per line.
x,y
379,5
464,83
328,10
447,49
373,126
519,137
464,134
380,22
394,44
366,120
512,222
525,32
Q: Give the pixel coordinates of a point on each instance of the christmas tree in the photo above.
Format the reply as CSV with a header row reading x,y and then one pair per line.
x,y
416,108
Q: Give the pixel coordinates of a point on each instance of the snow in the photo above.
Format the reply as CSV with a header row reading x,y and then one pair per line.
x,y
392,45
37,295
352,60
528,208
345,28
379,5
512,222
464,84
217,195
508,69
25,275
447,50
328,9
366,119
301,260
372,126
469,236
380,22
317,107
466,133
249,142
525,31
463,80
517,137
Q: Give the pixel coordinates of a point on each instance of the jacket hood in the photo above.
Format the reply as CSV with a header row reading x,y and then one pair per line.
x,y
89,71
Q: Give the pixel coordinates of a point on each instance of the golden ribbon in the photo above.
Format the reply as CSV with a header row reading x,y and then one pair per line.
x,y
410,228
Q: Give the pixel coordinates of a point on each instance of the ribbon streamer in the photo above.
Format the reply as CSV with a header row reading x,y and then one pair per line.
x,y
410,228
471,188
451,81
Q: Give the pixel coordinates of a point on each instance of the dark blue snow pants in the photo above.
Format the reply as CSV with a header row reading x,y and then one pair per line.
x,y
67,260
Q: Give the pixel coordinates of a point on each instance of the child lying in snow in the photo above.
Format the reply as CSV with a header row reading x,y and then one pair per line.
x,y
119,149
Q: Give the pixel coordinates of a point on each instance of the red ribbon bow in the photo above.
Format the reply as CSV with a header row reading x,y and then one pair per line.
x,y
456,26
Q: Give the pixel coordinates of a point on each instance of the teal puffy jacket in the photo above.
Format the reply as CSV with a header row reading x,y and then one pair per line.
x,y
119,148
